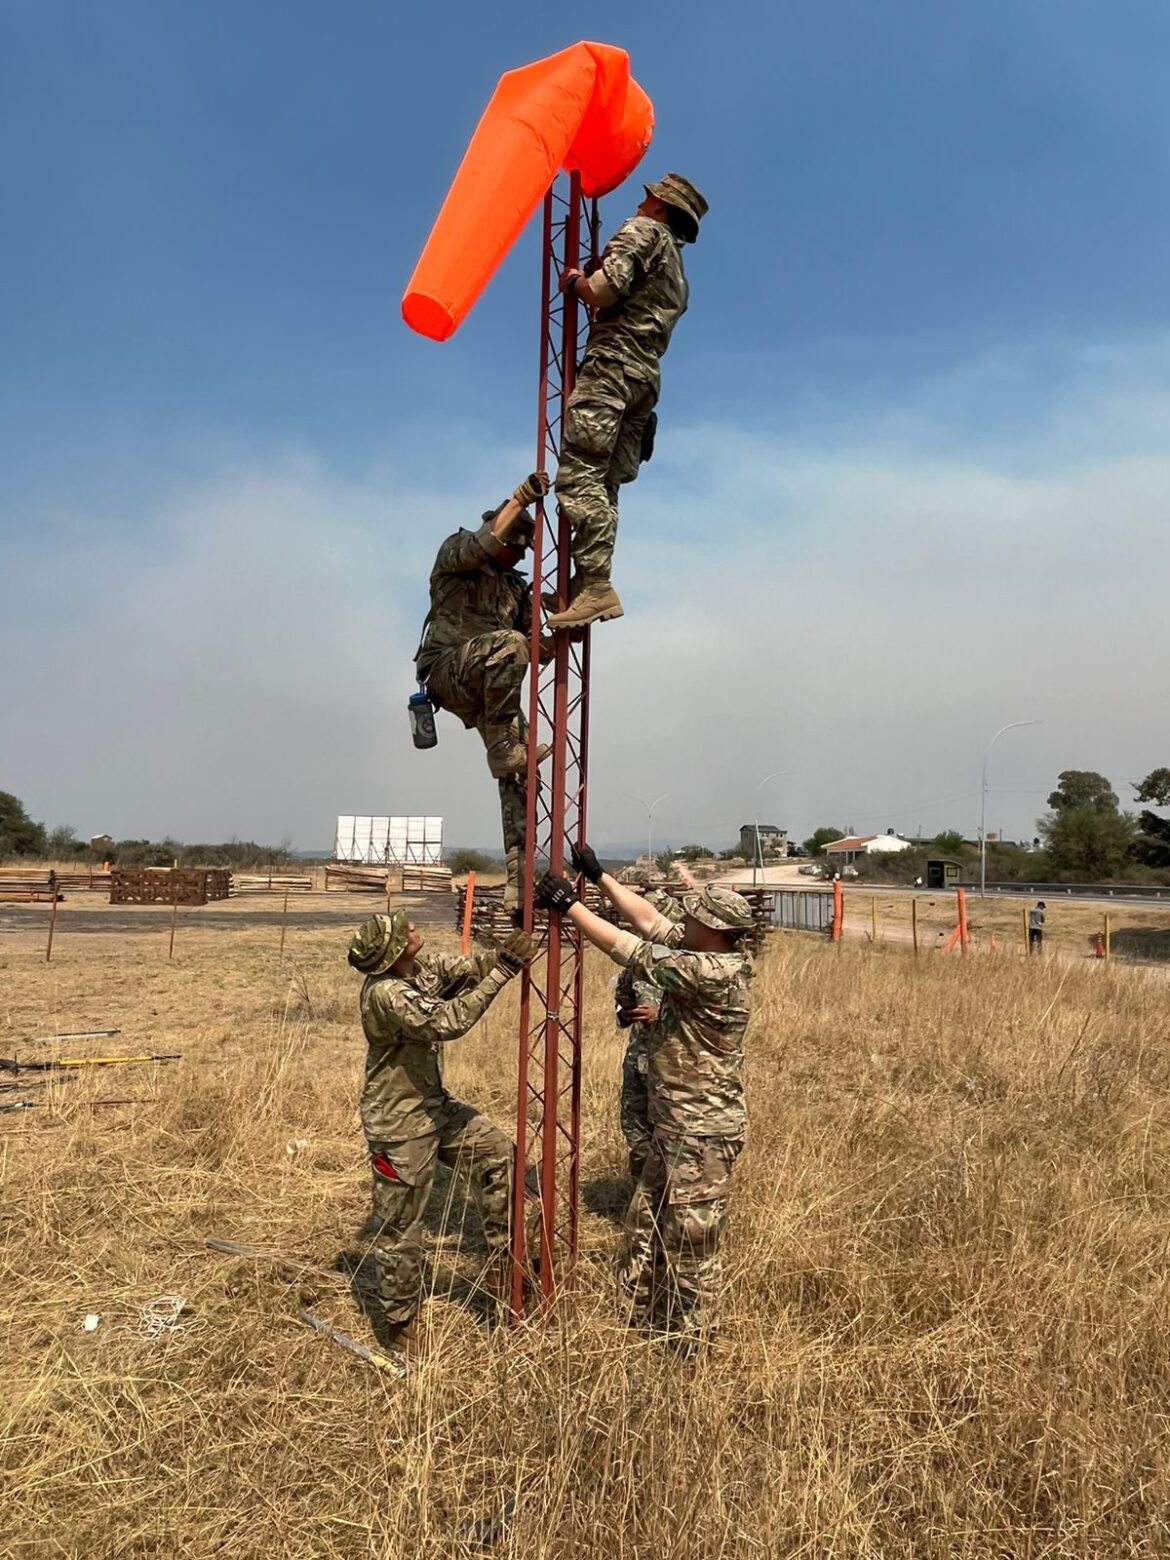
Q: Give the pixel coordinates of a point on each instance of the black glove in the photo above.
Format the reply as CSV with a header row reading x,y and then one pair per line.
x,y
586,862
554,893
516,950
533,487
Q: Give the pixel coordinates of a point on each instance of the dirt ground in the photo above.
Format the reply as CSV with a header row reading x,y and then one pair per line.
x,y
945,1332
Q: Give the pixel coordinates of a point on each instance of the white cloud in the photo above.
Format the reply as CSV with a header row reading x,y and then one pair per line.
x,y
862,611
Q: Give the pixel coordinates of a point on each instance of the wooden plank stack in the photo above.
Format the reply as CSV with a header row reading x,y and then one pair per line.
x,y
426,880
356,880
28,886
169,885
271,883
96,878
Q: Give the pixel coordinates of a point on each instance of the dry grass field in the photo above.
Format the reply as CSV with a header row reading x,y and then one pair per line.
x,y
947,1333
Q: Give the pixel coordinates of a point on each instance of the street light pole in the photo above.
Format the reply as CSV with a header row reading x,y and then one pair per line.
x,y
649,806
758,859
1012,725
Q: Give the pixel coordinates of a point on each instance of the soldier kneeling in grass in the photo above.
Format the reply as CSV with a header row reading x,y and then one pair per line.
x,y
412,1004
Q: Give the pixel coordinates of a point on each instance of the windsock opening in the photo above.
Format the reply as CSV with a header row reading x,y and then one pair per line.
x,y
580,111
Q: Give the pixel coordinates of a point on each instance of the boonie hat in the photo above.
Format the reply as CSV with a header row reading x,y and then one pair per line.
x,y
666,904
681,196
722,909
379,942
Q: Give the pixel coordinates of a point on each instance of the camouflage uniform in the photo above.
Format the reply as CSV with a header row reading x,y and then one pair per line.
x,y
670,1270
474,653
630,992
617,385
410,1120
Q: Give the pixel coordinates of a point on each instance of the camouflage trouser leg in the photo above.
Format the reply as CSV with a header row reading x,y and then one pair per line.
x,y
635,1118
480,681
481,1155
403,1175
670,1272
601,449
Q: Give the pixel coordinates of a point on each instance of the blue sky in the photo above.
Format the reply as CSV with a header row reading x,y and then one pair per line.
x,y
937,242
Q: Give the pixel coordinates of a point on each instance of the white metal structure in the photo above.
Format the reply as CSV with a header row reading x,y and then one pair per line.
x,y
389,842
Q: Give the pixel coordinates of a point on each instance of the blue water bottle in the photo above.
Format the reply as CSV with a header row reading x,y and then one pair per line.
x,y
422,718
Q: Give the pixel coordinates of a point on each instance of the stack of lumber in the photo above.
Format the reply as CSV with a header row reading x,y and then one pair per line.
x,y
426,880
28,885
85,878
491,923
169,885
356,879
271,883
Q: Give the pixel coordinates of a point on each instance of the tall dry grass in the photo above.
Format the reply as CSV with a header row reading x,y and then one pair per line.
x,y
946,1332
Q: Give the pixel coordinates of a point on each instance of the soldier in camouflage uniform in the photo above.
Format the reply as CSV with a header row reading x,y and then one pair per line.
x,y
474,649
670,1270
411,1005
637,294
636,1004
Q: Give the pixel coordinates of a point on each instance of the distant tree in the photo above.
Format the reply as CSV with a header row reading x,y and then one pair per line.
x,y
462,860
1153,842
731,854
64,844
819,838
1082,788
693,853
1086,834
664,861
949,842
19,835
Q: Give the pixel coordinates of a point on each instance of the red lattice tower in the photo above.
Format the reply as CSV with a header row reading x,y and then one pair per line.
x,y
548,1112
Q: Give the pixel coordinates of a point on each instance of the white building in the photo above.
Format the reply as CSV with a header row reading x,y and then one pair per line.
x,y
843,853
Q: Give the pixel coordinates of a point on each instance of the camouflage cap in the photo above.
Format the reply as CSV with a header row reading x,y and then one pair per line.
x,y
722,909
681,196
379,942
666,904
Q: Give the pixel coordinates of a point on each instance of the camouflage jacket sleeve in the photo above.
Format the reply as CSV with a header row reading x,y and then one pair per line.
x,y
396,1010
631,254
454,973
465,553
679,974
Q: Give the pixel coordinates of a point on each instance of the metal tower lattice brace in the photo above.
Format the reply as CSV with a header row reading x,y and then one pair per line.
x,y
548,1112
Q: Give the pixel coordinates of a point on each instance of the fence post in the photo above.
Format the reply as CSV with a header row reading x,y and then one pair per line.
x,y
838,912
961,898
174,912
873,919
52,914
468,903
1108,938
914,923
283,925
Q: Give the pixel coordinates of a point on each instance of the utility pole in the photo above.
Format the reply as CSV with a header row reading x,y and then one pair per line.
x,y
649,818
759,856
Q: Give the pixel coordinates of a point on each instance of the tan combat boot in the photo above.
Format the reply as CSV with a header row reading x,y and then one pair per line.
x,y
595,602
548,598
513,886
506,756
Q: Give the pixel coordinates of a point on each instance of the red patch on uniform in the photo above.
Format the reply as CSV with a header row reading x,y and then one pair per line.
x,y
384,1168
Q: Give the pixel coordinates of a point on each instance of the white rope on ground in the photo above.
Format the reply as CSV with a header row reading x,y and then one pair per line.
x,y
164,1315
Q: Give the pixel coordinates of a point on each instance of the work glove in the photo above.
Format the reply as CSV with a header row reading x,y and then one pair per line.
x,y
585,861
555,893
516,950
533,487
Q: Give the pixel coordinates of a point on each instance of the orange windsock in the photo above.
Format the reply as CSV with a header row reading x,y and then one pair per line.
x,y
579,110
